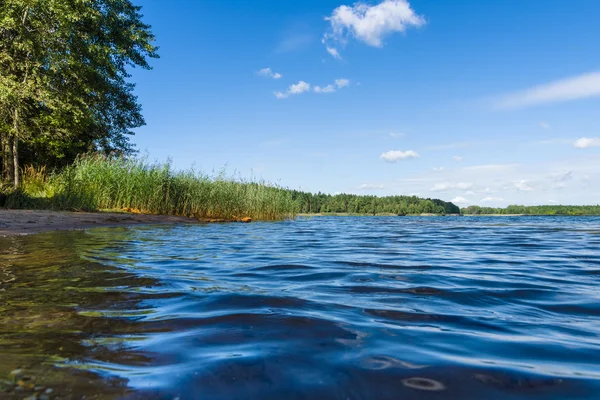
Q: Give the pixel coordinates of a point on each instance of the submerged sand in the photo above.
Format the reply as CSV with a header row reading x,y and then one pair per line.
x,y
23,222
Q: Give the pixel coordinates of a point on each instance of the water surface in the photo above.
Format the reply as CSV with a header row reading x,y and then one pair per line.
x,y
332,308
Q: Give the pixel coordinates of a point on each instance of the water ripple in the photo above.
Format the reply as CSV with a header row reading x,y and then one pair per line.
x,y
340,308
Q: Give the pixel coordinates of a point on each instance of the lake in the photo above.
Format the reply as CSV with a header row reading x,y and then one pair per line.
x,y
317,308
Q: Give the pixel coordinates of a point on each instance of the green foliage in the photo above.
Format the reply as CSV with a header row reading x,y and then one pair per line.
x,y
63,78
370,205
533,210
99,182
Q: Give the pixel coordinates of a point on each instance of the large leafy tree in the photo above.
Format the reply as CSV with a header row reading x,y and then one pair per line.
x,y
63,78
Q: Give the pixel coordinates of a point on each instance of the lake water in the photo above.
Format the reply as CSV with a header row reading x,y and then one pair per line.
x,y
321,308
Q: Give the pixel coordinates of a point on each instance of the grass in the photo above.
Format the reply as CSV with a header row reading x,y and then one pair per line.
x,y
96,182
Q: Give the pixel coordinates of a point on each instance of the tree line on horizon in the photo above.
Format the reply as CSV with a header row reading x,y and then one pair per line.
x,y
311,203
533,210
64,88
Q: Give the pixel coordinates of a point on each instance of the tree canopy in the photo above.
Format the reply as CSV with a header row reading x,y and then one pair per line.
x,y
64,75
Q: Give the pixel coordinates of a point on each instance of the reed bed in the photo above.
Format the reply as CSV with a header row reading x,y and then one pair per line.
x,y
99,182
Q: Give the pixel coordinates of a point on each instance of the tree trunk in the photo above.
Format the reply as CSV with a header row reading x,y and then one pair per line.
x,y
15,149
17,171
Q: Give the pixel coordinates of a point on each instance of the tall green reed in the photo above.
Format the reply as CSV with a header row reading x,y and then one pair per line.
x,y
98,182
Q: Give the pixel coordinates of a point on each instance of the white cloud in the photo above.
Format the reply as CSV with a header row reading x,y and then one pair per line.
x,y
445,186
396,135
334,53
457,158
460,200
340,83
523,186
294,89
393,156
371,186
574,88
370,23
268,73
491,199
439,169
584,142
332,87
299,87
302,87
324,89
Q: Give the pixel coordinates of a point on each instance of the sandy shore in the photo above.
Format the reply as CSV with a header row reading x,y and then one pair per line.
x,y
22,222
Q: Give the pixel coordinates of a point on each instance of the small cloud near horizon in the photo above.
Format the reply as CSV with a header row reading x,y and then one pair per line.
x,y
268,73
445,186
371,186
523,186
459,200
585,142
491,199
332,87
457,158
394,156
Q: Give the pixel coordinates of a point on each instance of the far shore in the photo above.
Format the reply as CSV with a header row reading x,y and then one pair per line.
x,y
24,222
371,215
499,215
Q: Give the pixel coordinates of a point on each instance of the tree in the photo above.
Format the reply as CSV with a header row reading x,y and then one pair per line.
x,y
63,77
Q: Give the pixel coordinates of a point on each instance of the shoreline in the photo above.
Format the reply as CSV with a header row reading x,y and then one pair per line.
x,y
26,222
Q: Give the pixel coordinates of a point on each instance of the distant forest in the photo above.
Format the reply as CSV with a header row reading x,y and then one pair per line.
x,y
533,210
309,203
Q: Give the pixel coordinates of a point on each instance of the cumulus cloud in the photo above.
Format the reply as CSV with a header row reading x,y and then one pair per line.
x,y
445,186
268,73
584,143
370,23
457,158
393,156
297,88
439,169
332,87
371,186
574,88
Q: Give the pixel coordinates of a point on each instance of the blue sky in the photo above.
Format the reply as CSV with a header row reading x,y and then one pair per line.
x,y
479,102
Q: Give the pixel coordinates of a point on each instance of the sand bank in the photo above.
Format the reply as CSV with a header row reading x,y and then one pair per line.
x,y
22,222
